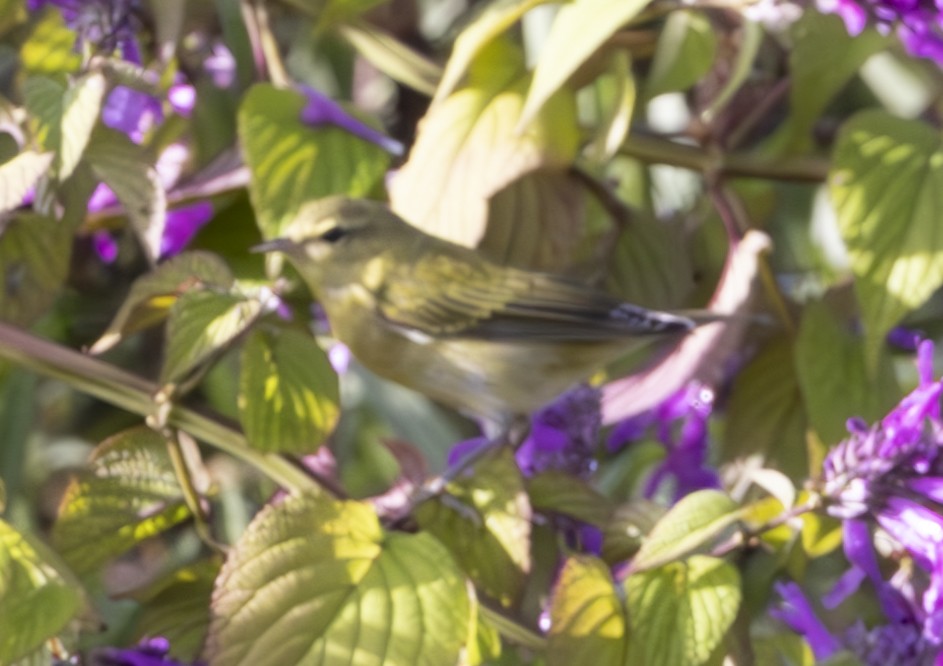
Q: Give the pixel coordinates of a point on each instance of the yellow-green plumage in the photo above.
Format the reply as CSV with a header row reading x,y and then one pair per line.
x,y
439,318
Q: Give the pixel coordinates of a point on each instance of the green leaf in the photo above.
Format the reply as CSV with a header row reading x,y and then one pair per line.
x,y
566,495
692,522
37,598
392,57
12,13
81,106
34,262
681,612
152,295
201,324
468,150
766,415
685,53
536,222
650,265
833,375
288,393
616,92
818,38
19,175
887,187
127,170
177,608
65,116
588,620
496,18
578,31
50,48
314,581
129,493
292,163
484,519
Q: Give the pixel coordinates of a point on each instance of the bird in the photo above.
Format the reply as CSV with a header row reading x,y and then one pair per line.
x,y
491,341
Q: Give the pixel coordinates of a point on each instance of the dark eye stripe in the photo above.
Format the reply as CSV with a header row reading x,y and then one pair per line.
x,y
333,234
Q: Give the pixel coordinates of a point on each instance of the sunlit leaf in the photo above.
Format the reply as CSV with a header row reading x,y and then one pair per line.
x,y
679,613
695,520
392,57
495,19
201,324
19,175
81,106
36,598
468,149
34,262
153,294
835,380
292,163
288,393
128,494
484,519
685,53
316,581
564,494
130,173
50,49
887,187
588,619
578,30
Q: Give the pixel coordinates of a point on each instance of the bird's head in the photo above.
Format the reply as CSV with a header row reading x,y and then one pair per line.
x,y
333,240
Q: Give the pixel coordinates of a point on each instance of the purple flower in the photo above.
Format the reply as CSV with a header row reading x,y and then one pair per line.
x,y
919,23
890,475
564,435
107,24
132,112
798,614
680,424
182,225
322,110
149,652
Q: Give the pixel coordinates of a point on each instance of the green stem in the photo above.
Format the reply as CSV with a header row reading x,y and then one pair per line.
x,y
134,394
734,165
513,630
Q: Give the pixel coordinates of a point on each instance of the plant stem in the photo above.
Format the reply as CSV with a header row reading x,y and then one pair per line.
x,y
733,165
135,394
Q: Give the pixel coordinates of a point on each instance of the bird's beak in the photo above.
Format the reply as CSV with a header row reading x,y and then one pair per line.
x,y
274,245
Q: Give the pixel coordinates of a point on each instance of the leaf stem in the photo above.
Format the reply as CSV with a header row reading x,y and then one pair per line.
x,y
733,165
135,394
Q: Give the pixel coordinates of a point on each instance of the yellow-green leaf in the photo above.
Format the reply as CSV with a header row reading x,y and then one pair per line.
x,y
288,393
153,294
292,163
685,53
681,612
468,149
314,581
201,324
692,522
20,174
37,598
578,30
50,48
485,521
129,493
887,187
588,620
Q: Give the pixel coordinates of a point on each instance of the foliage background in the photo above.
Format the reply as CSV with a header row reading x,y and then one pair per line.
x,y
185,453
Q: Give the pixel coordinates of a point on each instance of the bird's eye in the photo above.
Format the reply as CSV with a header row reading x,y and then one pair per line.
x,y
333,234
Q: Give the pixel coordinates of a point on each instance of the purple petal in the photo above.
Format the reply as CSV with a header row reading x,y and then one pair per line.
x,y
322,110
131,111
797,613
182,98
182,225
917,528
904,338
103,197
105,246
466,448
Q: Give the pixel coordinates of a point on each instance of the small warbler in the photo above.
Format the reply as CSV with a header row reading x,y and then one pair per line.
x,y
492,341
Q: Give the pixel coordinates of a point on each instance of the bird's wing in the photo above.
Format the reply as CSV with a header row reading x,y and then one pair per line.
x,y
484,301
